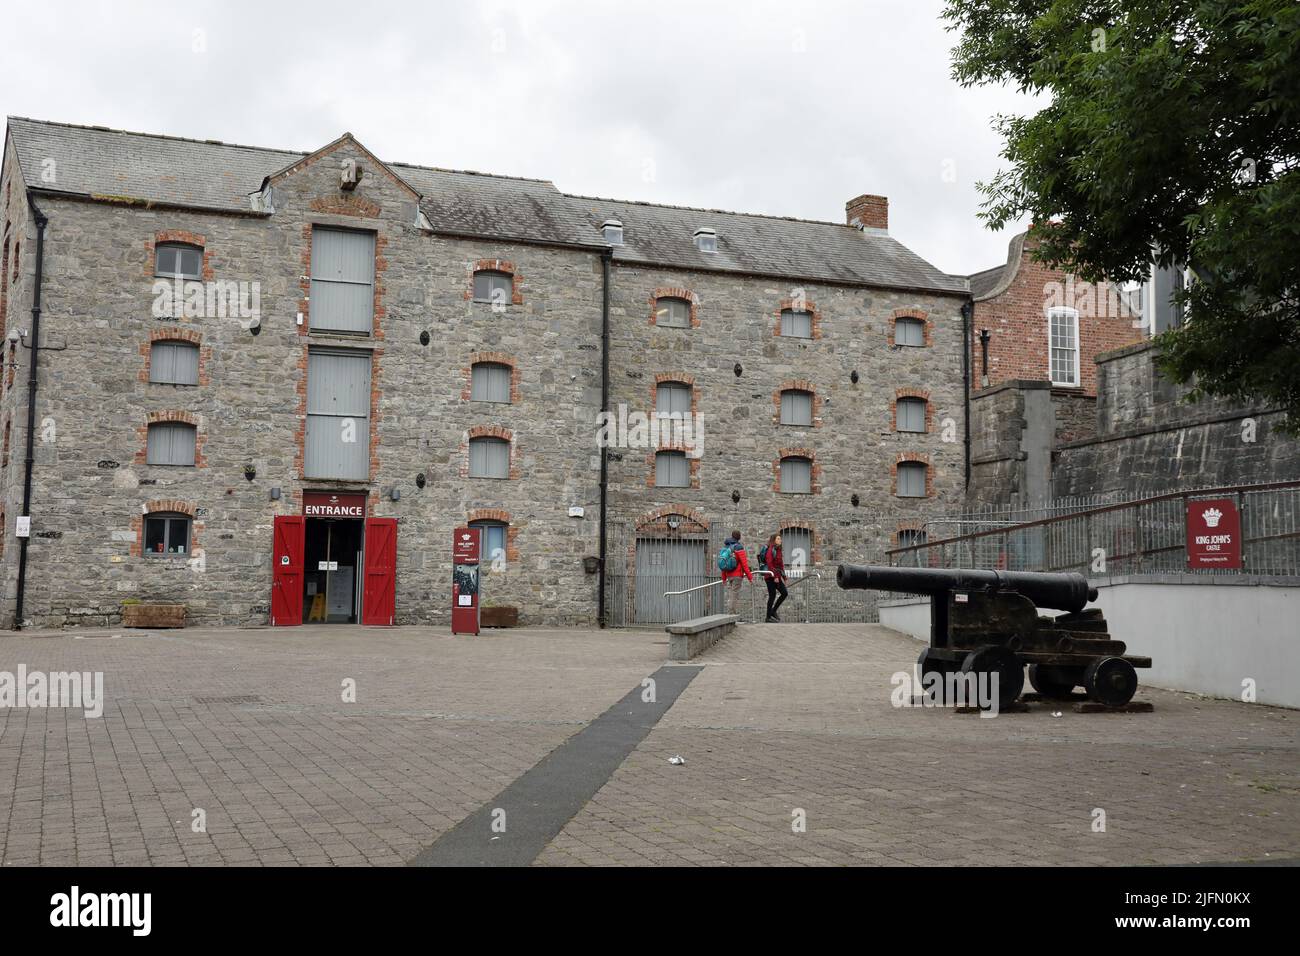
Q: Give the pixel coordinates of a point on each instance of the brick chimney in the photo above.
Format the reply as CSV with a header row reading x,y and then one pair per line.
x,y
868,212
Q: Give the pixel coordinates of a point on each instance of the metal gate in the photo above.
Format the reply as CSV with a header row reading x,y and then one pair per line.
x,y
670,565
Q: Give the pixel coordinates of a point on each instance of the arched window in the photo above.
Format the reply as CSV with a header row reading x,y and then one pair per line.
x,y
797,407
911,479
493,286
796,475
796,324
489,458
910,415
909,332
494,545
170,443
490,382
178,260
166,533
796,550
673,398
672,312
173,363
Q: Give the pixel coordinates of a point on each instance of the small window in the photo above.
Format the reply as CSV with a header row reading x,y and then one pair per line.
x,y
672,470
612,230
911,415
911,479
1063,325
170,443
673,398
493,287
166,534
797,407
672,312
796,324
493,545
796,476
796,551
174,363
178,261
909,332
489,458
706,240
490,382
911,538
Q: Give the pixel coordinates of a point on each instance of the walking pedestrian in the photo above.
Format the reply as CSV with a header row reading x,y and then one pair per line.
x,y
772,560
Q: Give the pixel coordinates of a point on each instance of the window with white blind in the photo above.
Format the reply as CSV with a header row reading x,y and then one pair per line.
x,y
673,313
493,544
493,287
170,443
1063,328
338,415
342,280
796,551
911,415
673,398
796,407
672,470
175,260
490,382
489,458
796,324
911,479
909,332
174,363
796,476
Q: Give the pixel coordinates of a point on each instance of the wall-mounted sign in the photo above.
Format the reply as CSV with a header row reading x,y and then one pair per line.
x,y
24,527
1213,534
327,504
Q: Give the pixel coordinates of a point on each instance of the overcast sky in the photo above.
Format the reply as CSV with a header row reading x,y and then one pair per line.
x,y
782,108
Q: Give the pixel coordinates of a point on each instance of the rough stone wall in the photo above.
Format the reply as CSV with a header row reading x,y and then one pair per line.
x,y
1075,415
92,487
1150,441
1017,321
853,442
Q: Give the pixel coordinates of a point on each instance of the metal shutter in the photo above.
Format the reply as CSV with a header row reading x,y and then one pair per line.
x,y
796,408
672,470
342,280
338,415
796,476
911,480
911,415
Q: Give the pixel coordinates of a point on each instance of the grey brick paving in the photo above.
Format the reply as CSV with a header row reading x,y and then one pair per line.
x,y
781,717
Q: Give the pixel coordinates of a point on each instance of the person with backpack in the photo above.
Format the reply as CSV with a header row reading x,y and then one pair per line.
x,y
733,563
771,559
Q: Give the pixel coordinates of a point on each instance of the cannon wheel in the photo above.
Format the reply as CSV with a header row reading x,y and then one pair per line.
x,y
1111,681
1055,683
927,663
1010,671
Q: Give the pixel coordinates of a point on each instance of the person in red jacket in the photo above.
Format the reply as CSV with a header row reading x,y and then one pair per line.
x,y
732,577
773,561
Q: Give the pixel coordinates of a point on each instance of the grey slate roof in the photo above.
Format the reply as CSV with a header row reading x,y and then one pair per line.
x,y
102,162
986,281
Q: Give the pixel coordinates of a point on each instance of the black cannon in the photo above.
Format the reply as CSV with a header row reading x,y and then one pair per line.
x,y
985,622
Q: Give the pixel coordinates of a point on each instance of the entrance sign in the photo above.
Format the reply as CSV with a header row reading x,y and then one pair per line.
x,y
466,544
1213,534
328,504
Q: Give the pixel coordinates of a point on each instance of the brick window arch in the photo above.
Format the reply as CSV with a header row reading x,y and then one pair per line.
x,y
172,433
489,452
495,281
163,256
802,534
909,328
170,371
673,304
496,518
913,411
170,522
795,471
480,360
913,476
798,317
794,401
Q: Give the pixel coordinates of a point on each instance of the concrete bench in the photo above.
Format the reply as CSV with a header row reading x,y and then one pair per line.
x,y
689,638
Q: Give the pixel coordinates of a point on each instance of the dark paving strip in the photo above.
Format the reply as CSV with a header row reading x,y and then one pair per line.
x,y
542,801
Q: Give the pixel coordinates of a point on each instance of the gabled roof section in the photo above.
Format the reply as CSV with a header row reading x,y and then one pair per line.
x,y
347,139
115,165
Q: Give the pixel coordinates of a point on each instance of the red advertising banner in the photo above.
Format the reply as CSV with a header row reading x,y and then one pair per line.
x,y
465,544
1213,534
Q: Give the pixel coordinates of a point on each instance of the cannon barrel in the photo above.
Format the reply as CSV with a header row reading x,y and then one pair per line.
x,y
1067,591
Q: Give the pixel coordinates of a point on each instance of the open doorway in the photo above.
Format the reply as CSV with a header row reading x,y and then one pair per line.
x,y
332,559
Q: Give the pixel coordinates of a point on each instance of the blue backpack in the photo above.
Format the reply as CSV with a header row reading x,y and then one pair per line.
x,y
726,558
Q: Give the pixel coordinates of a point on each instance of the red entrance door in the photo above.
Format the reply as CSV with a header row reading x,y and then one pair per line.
x,y
379,600
286,577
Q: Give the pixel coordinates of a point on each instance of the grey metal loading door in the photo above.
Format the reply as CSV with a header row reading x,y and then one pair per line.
x,y
664,565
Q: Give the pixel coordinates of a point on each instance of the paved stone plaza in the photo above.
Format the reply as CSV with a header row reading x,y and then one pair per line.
x,y
250,726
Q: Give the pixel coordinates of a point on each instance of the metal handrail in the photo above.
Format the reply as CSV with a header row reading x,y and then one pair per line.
x,y
711,584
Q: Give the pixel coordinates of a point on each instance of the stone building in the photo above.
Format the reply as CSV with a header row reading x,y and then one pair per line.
x,y
264,376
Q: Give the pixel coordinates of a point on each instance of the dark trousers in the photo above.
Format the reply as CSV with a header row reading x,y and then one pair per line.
x,y
774,588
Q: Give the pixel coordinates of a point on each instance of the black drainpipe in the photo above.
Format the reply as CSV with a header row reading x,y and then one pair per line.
x,y
30,460
606,257
967,314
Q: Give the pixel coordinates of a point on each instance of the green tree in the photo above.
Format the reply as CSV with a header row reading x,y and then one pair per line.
x,y
1173,134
